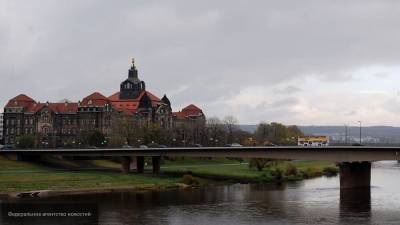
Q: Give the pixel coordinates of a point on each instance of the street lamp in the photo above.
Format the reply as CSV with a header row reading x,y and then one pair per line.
x,y
173,142
360,131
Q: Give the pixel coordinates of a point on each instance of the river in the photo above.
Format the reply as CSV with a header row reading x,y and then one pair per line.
x,y
315,201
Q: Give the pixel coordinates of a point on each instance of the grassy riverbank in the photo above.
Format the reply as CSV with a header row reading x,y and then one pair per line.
x,y
18,176
56,174
224,169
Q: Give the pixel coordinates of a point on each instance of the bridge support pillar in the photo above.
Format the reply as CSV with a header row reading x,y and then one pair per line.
x,y
156,160
355,175
126,164
140,164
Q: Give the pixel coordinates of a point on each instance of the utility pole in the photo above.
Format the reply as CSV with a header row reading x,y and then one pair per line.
x,y
346,134
360,131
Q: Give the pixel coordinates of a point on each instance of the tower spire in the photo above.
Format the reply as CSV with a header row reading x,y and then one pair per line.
x,y
133,71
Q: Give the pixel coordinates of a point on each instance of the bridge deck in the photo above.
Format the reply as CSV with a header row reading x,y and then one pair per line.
x,y
331,153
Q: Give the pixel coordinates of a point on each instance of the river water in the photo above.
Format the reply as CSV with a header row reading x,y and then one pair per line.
x,y
315,201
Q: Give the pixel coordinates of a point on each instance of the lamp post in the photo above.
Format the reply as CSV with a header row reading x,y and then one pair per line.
x,y
360,131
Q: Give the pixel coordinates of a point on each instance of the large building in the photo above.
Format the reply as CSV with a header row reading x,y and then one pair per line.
x,y
1,128
56,124
189,123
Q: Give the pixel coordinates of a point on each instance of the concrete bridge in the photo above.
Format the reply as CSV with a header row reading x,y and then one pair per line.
x,y
354,161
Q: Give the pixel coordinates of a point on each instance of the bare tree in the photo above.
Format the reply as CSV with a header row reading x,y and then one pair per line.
x,y
215,131
231,125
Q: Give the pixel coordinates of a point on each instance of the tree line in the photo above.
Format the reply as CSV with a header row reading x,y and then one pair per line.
x,y
213,132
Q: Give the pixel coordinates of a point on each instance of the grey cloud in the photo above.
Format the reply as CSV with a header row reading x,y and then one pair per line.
x,y
57,49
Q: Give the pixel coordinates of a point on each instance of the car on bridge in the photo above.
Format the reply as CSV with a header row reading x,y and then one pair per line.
x,y
234,145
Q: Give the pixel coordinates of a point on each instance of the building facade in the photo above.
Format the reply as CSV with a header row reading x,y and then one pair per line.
x,y
189,123
59,124
1,129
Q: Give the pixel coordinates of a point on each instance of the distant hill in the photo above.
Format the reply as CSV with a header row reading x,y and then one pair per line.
x,y
385,134
248,128
375,131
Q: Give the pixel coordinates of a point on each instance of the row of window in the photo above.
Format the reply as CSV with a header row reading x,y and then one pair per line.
x,y
13,122
28,121
90,109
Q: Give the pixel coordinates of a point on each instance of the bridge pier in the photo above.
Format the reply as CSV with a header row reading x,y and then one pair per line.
x,y
126,164
156,160
140,164
355,175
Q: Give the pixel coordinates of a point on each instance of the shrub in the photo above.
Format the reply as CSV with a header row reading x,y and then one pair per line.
x,y
330,171
312,172
190,180
26,141
291,170
278,174
261,163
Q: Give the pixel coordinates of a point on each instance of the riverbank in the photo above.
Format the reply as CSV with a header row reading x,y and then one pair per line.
x,y
68,177
233,171
16,176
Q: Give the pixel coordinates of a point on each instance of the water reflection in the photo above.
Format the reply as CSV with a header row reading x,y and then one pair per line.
x,y
316,201
355,201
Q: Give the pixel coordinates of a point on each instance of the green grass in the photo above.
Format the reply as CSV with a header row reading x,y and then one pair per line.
x,y
16,176
233,170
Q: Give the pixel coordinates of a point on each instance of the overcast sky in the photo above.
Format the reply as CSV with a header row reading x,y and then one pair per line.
x,y
297,62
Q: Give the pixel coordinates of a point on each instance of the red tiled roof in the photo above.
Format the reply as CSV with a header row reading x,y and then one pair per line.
x,y
20,101
130,106
95,99
188,111
54,107
115,97
192,108
63,107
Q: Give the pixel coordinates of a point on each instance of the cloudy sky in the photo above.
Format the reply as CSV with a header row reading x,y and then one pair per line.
x,y
297,62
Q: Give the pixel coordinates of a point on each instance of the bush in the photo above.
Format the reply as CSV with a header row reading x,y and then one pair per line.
x,y
92,138
312,172
330,171
278,174
188,179
266,177
291,170
26,141
260,163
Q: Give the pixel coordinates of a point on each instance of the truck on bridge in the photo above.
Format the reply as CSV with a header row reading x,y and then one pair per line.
x,y
313,141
